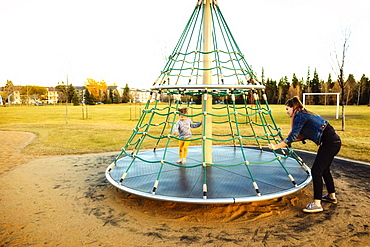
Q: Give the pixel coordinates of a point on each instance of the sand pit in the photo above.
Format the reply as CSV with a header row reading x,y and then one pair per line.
x,y
67,201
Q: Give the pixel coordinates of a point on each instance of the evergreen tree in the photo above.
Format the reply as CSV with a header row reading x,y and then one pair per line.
x,y
315,86
283,88
89,98
75,98
126,96
8,90
350,90
295,81
109,97
71,91
330,82
308,80
360,88
116,98
271,91
365,96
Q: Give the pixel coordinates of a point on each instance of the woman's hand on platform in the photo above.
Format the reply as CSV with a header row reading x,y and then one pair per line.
x,y
271,146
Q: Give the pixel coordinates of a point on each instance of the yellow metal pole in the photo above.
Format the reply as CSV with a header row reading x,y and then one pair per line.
x,y
207,77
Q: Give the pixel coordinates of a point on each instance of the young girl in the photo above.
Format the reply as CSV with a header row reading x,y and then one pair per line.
x,y
308,125
182,128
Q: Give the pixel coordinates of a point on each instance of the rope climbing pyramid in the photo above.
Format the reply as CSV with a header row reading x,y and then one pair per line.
x,y
226,163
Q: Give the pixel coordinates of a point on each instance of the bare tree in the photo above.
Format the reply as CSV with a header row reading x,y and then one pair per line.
x,y
339,60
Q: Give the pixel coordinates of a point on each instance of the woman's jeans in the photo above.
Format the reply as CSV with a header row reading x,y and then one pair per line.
x,y
321,167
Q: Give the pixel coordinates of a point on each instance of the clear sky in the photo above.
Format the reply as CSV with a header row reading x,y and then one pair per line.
x,y
43,41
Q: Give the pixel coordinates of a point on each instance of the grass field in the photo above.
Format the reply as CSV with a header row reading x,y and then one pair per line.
x,y
108,127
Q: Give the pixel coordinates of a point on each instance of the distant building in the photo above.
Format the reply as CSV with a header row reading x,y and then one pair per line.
x,y
80,88
52,95
16,98
140,95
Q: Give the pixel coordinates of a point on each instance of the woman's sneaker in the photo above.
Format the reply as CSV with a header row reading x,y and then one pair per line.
x,y
326,198
312,208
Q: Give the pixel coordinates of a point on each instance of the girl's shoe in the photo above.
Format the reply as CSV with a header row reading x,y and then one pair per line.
x,y
312,208
326,198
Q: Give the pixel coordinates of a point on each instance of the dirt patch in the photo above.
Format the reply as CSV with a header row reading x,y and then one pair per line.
x,y
67,201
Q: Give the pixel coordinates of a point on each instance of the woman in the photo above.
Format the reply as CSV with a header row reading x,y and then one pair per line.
x,y
308,125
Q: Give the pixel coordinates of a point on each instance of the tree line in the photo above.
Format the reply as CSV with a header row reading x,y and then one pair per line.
x,y
357,92
93,92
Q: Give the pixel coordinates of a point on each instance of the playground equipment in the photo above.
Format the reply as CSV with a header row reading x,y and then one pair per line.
x,y
226,162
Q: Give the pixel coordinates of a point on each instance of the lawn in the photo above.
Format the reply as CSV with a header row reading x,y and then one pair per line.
x,y
108,127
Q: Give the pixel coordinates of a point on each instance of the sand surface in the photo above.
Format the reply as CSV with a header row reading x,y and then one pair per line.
x,y
67,201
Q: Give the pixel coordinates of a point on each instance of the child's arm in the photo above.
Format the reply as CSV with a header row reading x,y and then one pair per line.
x,y
195,125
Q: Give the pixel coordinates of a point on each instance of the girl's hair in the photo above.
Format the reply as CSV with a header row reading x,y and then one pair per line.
x,y
295,103
183,110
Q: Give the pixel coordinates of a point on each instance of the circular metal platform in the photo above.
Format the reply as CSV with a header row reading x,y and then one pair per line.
x,y
225,183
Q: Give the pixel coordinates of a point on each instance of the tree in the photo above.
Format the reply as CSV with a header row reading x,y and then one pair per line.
x,y
308,87
33,93
350,89
66,92
365,95
8,90
295,81
330,81
62,92
295,88
263,76
308,80
271,91
340,59
315,86
326,87
97,89
71,92
361,88
126,96
116,97
109,98
283,88
75,99
89,98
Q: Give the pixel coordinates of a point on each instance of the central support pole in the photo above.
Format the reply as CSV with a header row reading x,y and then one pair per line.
x,y
207,79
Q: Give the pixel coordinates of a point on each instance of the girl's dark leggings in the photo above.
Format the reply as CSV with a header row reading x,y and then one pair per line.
x,y
321,167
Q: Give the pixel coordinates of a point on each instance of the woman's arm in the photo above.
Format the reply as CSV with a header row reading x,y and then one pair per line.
x,y
298,123
277,146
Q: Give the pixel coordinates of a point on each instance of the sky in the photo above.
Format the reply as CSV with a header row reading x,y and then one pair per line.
x,y
44,42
